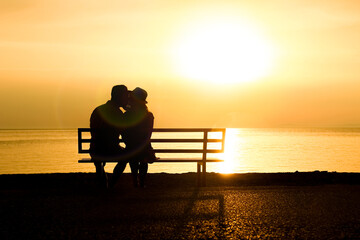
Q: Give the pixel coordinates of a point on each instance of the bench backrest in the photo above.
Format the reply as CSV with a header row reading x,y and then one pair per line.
x,y
204,139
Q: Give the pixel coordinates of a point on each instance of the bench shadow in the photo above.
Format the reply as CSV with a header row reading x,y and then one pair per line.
x,y
184,214
191,213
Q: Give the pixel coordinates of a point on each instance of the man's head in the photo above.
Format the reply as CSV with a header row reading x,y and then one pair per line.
x,y
119,95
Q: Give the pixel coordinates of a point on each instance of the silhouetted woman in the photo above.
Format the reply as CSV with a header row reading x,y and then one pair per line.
x,y
137,135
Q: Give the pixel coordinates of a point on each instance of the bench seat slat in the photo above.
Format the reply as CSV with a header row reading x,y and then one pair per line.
x,y
174,151
188,130
84,151
174,129
187,151
174,140
184,140
183,160
188,160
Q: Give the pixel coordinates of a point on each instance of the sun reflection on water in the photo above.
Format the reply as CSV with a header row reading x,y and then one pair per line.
x,y
233,144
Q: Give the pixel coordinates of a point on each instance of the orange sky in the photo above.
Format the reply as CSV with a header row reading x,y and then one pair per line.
x,y
60,58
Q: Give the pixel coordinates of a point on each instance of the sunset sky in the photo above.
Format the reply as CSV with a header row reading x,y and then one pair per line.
x,y
204,63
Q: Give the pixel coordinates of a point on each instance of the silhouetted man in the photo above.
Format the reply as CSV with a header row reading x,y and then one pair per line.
x,y
106,124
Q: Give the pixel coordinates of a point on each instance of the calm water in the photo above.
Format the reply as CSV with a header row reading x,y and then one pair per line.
x,y
246,150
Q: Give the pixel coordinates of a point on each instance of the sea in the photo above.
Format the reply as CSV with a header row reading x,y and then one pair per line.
x,y
262,150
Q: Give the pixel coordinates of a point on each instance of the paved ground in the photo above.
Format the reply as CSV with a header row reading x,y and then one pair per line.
x,y
237,212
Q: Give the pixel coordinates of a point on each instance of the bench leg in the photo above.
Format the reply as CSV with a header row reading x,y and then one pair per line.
x,y
199,174
203,175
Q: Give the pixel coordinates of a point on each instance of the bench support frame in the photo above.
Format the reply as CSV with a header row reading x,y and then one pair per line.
x,y
201,163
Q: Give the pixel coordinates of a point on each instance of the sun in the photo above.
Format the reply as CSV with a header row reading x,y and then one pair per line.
x,y
222,51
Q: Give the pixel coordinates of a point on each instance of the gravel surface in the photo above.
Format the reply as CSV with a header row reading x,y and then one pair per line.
x,y
68,206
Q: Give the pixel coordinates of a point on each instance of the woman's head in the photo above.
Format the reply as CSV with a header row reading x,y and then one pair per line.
x,y
139,94
138,97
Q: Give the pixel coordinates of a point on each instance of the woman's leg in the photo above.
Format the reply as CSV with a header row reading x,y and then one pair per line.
x,y
134,166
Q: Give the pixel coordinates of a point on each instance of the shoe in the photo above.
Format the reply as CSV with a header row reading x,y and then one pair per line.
x,y
142,184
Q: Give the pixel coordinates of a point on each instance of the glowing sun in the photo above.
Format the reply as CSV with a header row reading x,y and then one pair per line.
x,y
223,52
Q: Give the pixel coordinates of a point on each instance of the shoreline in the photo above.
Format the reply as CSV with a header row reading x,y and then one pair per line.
x,y
179,180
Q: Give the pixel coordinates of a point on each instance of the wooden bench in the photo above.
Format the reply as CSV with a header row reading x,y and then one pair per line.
x,y
162,145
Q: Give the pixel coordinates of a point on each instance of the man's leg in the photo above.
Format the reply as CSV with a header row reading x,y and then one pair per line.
x,y
100,174
118,170
143,169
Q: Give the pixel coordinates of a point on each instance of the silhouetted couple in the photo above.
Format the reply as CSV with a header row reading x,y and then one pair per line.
x,y
126,114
